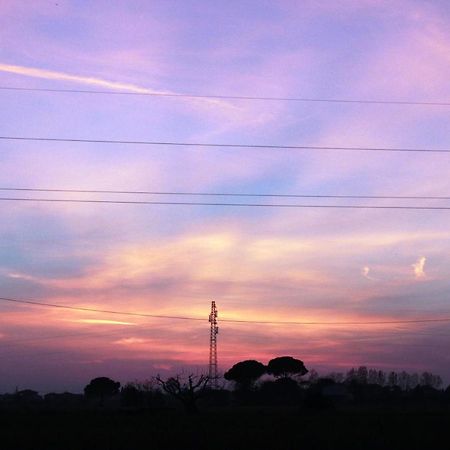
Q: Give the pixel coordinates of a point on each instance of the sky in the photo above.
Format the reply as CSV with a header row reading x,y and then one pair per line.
x,y
257,263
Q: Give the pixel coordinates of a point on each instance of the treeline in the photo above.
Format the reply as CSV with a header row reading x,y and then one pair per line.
x,y
284,381
362,375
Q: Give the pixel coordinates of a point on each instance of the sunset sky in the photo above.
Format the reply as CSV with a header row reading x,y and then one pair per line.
x,y
257,263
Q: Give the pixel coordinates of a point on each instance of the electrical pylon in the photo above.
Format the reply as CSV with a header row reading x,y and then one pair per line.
x,y
213,346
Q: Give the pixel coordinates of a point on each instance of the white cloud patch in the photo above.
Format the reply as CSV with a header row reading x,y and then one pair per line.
x,y
419,266
22,276
365,273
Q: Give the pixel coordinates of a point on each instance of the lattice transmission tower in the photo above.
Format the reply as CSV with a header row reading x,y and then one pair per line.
x,y
213,346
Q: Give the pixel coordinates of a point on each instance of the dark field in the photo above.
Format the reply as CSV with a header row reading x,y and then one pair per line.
x,y
224,430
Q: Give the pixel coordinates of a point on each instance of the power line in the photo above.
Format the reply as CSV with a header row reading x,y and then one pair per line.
x,y
229,194
267,322
218,145
379,322
229,97
245,205
79,308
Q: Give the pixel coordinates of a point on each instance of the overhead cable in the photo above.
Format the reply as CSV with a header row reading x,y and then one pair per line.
x,y
267,322
222,145
229,97
226,204
223,194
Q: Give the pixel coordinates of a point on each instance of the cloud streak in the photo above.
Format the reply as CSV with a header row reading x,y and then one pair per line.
x,y
91,81
34,72
102,322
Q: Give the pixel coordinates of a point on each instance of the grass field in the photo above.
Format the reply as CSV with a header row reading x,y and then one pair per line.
x,y
224,430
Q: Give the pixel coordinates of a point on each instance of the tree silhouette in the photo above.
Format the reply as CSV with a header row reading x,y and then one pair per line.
x,y
286,366
372,376
245,373
392,379
186,390
100,388
431,380
350,376
141,394
362,375
313,376
381,379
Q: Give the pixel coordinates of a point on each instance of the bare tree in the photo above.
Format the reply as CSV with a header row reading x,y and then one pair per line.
x,y
404,380
372,376
431,380
185,389
437,381
392,379
351,375
381,378
362,374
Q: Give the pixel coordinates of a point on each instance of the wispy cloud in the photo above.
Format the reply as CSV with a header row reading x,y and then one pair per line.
x,y
223,115
108,84
22,276
102,322
130,341
418,267
91,81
